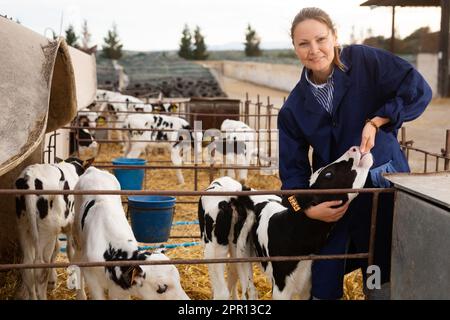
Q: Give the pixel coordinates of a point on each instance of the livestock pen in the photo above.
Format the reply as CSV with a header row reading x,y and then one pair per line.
x,y
186,253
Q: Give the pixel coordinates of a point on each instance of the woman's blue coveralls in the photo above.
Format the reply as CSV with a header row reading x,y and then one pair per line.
x,y
374,83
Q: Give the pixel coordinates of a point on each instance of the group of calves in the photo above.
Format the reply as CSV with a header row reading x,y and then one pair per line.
x,y
236,226
96,229
235,142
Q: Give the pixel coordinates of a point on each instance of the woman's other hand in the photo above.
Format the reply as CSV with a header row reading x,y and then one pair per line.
x,y
325,211
369,132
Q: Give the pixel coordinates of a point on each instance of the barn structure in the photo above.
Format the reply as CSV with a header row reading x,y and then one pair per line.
x,y
443,68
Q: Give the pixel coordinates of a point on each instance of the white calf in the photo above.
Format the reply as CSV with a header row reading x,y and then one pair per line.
x,y
118,106
238,146
177,139
102,233
221,225
279,231
41,218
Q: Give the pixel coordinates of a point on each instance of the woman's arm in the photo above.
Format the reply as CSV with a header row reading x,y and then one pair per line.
x,y
405,92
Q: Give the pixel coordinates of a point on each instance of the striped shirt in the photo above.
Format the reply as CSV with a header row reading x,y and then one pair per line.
x,y
323,92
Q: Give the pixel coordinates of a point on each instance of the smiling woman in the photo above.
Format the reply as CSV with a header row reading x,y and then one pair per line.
x,y
357,95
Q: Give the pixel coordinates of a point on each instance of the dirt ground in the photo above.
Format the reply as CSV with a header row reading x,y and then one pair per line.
x,y
428,132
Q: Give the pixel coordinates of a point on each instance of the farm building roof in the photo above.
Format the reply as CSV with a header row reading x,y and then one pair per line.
x,y
403,3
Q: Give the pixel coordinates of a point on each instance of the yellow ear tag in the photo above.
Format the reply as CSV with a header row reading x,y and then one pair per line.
x,y
101,121
294,203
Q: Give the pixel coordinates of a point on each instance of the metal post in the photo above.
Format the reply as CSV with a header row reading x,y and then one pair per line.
x,y
211,173
443,49
145,179
258,104
373,225
425,165
393,30
247,109
269,128
403,142
403,132
195,177
447,150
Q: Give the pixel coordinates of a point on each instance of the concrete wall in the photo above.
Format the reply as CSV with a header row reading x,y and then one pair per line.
x,y
427,65
277,76
285,77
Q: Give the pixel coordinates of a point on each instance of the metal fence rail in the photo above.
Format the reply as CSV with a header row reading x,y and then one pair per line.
x,y
368,255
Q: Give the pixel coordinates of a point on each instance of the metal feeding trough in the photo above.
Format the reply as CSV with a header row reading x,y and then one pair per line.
x,y
421,236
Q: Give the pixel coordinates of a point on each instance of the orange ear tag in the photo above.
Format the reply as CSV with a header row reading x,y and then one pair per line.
x,y
294,203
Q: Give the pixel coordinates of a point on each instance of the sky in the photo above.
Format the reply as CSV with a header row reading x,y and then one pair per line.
x,y
155,25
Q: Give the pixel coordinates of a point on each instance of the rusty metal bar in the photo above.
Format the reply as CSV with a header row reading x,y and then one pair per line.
x,y
141,129
132,167
258,105
211,172
426,163
269,127
186,202
247,109
185,237
181,113
196,177
154,141
428,153
196,193
403,139
447,150
373,224
178,261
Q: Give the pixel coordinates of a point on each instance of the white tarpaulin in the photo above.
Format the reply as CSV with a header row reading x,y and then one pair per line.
x,y
37,90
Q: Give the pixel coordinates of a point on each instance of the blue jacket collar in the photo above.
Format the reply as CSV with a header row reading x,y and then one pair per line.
x,y
341,85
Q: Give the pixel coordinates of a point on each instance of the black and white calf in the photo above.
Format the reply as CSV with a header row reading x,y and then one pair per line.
x,y
280,231
118,106
180,130
102,233
224,227
41,218
237,147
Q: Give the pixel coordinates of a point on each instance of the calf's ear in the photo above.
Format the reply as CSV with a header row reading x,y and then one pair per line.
x,y
58,160
131,274
87,163
137,272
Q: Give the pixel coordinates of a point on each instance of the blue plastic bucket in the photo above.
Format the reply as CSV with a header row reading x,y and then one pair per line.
x,y
151,217
130,179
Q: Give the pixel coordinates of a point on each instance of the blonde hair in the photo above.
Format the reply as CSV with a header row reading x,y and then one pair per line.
x,y
320,16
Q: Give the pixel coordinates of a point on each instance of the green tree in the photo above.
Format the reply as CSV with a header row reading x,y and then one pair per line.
x,y
112,48
252,42
199,52
186,44
71,37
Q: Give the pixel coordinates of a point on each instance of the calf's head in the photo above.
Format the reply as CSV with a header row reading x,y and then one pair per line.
x,y
348,172
158,282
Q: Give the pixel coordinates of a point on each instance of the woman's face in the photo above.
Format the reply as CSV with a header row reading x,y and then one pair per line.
x,y
314,45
